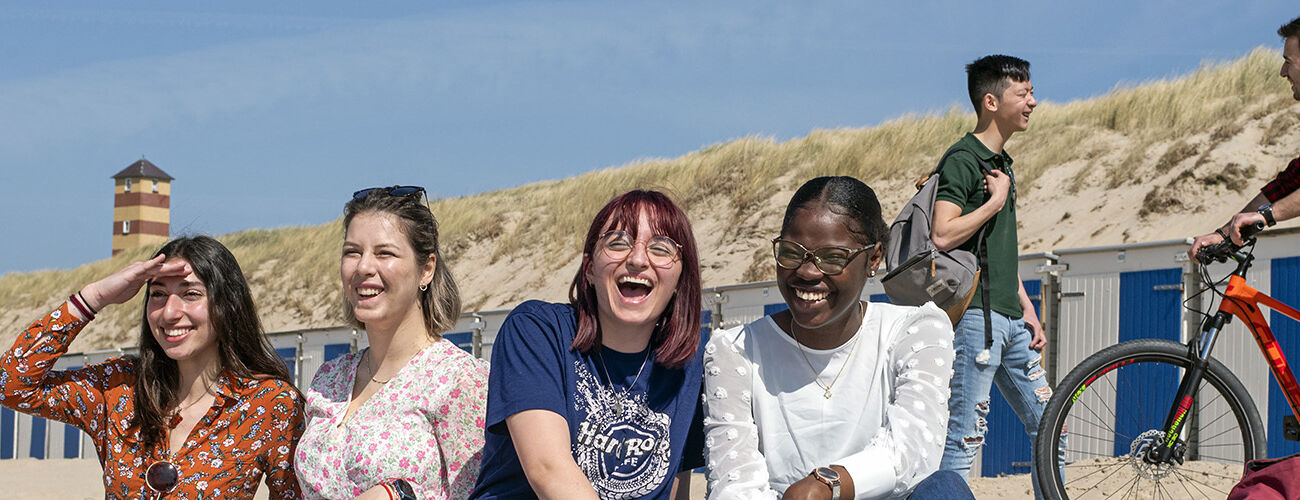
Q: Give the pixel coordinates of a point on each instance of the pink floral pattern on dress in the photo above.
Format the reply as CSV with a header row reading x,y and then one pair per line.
x,y
425,426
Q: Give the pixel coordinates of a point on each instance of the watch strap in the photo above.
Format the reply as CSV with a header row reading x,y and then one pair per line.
x,y
1267,211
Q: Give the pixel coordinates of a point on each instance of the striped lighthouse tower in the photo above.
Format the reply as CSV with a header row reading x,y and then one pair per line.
x,y
141,206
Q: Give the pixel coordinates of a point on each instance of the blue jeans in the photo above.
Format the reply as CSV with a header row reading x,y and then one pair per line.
x,y
1016,369
942,485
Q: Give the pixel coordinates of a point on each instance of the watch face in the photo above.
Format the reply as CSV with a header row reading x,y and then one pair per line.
x,y
827,473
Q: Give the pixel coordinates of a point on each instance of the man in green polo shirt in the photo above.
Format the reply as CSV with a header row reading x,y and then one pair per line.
x,y
977,190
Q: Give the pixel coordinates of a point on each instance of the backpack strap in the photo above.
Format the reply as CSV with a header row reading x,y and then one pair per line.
x,y
957,148
981,252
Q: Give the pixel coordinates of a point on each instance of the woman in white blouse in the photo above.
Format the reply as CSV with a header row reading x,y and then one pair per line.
x,y
834,397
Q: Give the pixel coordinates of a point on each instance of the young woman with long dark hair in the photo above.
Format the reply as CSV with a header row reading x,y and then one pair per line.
x,y
205,409
599,397
402,418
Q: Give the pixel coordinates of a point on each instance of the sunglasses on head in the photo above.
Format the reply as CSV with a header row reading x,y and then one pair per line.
x,y
162,477
398,191
402,191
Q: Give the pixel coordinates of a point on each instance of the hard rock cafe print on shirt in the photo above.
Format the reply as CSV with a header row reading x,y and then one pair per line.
x,y
627,455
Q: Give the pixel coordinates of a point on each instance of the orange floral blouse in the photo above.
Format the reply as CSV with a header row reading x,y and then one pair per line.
x,y
250,430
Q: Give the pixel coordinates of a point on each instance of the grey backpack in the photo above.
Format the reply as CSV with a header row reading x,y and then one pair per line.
x,y
919,272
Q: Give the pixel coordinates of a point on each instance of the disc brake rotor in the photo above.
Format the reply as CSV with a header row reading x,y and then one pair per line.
x,y
1137,456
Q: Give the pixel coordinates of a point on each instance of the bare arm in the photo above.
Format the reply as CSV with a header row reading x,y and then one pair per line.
x,y
1039,340
951,228
541,440
682,486
1286,208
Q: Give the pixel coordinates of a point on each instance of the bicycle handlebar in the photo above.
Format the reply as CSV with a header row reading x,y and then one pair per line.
x,y
1219,252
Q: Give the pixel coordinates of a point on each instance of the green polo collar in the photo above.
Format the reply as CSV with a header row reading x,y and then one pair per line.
x,y
984,153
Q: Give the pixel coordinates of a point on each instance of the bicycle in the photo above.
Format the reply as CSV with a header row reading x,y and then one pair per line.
x,y
1196,441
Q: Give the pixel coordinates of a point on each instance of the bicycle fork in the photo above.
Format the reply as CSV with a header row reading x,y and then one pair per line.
x,y
1198,350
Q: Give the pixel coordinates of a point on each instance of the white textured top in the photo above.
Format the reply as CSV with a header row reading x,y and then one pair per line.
x,y
769,424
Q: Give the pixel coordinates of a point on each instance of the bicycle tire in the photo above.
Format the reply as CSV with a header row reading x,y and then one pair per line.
x,y
1104,443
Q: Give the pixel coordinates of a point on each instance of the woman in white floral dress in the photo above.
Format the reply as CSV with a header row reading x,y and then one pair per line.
x,y
402,418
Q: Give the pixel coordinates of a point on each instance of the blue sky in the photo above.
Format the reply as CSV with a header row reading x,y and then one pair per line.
x,y
270,114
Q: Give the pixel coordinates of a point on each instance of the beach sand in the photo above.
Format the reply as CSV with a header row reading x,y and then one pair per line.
x,y
62,479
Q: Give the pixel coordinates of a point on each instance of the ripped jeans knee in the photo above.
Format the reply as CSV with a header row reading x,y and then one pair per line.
x,y
975,439
1043,393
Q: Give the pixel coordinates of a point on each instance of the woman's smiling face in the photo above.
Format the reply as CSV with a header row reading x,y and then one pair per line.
x,y
381,272
631,292
818,300
177,312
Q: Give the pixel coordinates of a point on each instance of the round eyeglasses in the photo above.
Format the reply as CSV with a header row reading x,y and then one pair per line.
x,y
662,251
829,260
162,477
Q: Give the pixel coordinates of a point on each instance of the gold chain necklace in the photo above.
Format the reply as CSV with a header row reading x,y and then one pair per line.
x,y
371,368
206,390
852,349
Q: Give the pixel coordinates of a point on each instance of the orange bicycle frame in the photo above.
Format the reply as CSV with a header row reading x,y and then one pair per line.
x,y
1243,301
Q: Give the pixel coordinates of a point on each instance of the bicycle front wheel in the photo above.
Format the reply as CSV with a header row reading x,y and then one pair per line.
x,y
1110,410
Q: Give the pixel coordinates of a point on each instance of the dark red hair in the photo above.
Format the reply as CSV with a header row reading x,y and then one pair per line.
x,y
677,335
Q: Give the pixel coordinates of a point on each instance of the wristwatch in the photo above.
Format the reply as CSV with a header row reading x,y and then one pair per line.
x,y
1267,211
404,491
831,478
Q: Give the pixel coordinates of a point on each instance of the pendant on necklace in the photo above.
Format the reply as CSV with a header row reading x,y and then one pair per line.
x,y
617,403
827,394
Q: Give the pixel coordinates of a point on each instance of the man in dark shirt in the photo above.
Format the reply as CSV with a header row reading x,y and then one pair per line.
x,y
1278,200
977,190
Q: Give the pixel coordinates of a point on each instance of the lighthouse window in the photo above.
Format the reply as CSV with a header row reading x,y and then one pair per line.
x,y
126,227
127,188
155,185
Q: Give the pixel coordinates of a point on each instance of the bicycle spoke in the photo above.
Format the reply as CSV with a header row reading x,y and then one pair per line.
x,y
1194,481
1184,485
1224,445
1100,468
1133,488
1100,420
1114,416
1090,424
1234,429
1232,478
1216,420
1221,459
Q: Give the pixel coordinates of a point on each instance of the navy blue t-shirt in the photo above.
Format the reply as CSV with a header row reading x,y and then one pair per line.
x,y
633,455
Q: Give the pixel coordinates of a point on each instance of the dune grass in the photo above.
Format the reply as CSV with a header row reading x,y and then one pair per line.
x,y
549,218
